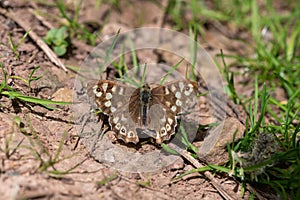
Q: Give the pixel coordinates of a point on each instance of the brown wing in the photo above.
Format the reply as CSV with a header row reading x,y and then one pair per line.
x,y
123,106
173,98
117,101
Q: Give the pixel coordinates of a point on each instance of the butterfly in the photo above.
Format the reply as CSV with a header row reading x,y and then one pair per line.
x,y
149,109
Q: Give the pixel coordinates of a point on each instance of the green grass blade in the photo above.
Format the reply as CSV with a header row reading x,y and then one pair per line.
x,y
111,48
43,102
293,42
173,68
255,21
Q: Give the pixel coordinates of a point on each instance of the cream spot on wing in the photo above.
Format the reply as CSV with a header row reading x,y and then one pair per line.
x,y
168,103
121,91
168,127
188,90
119,104
187,93
98,94
163,120
181,86
170,121
113,89
104,86
113,109
108,96
163,131
95,90
173,88
107,104
178,95
178,103
130,134
116,119
123,118
174,108
118,126
167,91
123,131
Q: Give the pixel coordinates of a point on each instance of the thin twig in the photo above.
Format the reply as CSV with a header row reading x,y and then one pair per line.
x,y
22,23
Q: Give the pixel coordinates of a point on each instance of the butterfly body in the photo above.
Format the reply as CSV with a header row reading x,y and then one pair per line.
x,y
145,97
151,108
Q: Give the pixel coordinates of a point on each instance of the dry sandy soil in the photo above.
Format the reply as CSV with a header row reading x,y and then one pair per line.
x,y
24,171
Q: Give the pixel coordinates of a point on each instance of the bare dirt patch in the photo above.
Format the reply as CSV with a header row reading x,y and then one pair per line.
x,y
29,147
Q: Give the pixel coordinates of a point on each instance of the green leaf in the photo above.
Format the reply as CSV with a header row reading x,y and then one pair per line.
x,y
50,36
3,82
60,50
62,33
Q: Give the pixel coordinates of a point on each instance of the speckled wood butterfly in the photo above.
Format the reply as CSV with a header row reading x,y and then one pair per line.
x,y
152,109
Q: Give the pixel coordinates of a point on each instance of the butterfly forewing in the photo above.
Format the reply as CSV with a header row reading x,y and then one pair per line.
x,y
112,99
174,97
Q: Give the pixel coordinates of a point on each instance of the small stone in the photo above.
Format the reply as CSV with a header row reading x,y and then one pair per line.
x,y
178,164
63,94
215,153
